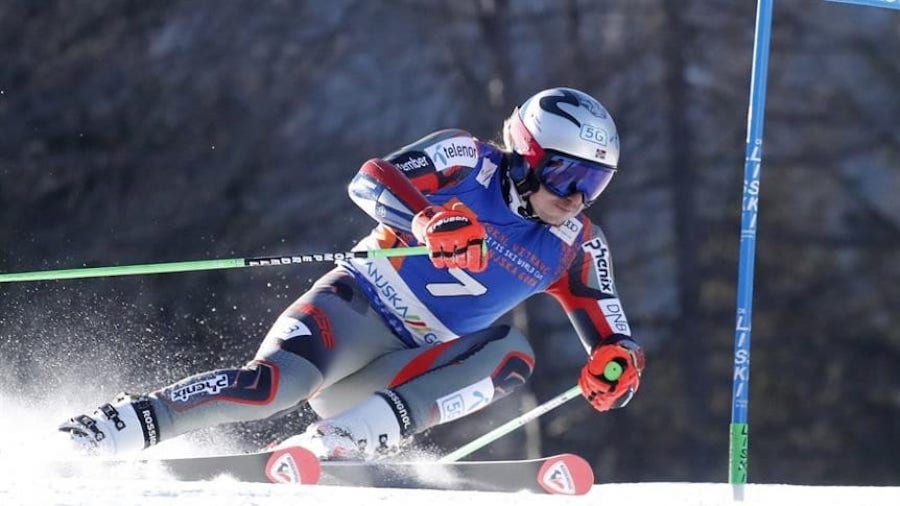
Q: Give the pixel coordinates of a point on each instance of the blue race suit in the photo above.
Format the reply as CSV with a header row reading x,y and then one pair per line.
x,y
424,305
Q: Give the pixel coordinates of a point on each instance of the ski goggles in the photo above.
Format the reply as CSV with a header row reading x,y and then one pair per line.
x,y
565,175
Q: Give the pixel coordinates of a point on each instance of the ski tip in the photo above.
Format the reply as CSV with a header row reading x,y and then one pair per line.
x,y
566,474
293,464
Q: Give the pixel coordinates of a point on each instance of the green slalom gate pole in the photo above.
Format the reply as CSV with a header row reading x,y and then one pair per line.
x,y
205,265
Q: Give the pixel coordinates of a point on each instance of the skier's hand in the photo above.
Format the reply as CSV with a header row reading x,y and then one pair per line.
x,y
454,237
612,374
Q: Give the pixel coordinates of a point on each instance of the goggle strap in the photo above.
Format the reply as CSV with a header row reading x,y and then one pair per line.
x,y
529,184
524,178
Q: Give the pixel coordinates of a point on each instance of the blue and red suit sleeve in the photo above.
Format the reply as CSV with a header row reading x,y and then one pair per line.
x,y
587,292
394,189
384,193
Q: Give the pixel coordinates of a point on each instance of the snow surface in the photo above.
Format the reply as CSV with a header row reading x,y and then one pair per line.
x,y
99,491
30,443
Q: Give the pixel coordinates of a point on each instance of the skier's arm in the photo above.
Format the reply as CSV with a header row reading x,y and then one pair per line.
x,y
396,198
385,194
454,236
588,294
392,190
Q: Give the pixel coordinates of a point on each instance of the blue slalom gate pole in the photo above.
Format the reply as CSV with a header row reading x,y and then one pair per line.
x,y
739,442
888,4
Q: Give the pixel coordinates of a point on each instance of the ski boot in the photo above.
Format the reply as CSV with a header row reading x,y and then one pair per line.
x,y
126,425
367,431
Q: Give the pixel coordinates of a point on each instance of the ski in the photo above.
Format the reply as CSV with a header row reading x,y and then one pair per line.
x,y
565,474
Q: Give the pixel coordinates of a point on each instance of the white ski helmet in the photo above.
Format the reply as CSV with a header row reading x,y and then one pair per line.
x,y
568,141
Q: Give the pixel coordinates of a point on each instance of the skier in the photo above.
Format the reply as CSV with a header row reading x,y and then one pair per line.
x,y
382,349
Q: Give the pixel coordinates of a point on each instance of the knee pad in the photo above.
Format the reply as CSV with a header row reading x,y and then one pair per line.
x,y
297,379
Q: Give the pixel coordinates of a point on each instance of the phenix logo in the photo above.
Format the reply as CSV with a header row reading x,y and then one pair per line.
x,y
203,386
602,268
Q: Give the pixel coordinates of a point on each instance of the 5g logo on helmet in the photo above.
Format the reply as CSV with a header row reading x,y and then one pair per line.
x,y
594,134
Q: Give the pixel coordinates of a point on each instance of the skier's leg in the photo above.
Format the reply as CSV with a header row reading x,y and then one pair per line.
x,y
320,339
313,344
408,391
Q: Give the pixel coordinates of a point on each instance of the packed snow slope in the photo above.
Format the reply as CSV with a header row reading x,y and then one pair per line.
x,y
31,442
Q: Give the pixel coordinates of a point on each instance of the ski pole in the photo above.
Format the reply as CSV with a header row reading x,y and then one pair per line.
x,y
512,425
206,265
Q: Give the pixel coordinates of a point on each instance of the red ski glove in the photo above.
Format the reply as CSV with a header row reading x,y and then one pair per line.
x,y
612,374
454,236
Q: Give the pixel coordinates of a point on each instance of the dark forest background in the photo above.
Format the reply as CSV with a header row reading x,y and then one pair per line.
x,y
138,132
